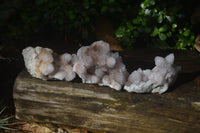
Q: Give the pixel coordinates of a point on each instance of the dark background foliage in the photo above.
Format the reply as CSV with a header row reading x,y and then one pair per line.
x,y
138,23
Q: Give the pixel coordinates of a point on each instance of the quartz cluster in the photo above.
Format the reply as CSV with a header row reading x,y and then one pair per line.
x,y
96,64
44,64
38,61
156,80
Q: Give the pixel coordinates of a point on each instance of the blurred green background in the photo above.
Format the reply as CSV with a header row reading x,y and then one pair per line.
x,y
137,23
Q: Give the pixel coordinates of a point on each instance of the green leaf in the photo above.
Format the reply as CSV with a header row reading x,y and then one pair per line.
x,y
163,28
130,26
160,19
162,36
142,5
182,45
135,21
154,10
147,12
174,26
155,31
186,33
169,18
192,38
119,33
152,2
169,34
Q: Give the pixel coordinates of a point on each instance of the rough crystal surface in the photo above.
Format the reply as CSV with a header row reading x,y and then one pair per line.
x,y
38,61
96,64
156,80
44,64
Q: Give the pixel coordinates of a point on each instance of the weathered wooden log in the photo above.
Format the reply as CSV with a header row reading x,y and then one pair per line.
x,y
102,108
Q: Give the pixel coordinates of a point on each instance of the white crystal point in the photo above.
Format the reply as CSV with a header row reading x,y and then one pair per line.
x,y
60,75
170,58
46,68
110,62
65,67
65,58
96,64
156,80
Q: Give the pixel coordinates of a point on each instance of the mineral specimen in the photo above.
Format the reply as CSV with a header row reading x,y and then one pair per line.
x,y
44,64
96,64
38,61
64,65
156,80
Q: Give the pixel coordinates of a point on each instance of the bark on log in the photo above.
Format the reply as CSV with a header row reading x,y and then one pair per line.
x,y
102,108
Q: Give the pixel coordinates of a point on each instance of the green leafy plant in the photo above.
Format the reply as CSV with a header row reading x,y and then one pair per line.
x,y
156,25
4,122
152,23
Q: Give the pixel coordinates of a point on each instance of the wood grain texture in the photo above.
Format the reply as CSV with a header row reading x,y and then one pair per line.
x,y
102,108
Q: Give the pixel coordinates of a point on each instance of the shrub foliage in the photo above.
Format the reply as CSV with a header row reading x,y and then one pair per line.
x,y
152,23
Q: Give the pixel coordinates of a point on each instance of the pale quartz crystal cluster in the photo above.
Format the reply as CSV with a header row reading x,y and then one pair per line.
x,y
44,64
156,80
38,61
96,64
64,67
